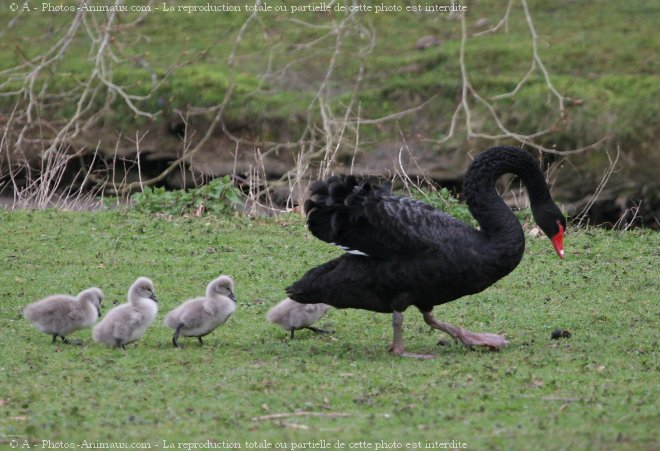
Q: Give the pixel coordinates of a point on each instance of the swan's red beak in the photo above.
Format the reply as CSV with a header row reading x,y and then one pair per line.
x,y
558,241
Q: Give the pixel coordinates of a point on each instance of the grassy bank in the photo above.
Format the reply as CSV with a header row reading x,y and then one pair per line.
x,y
288,88
599,52
596,390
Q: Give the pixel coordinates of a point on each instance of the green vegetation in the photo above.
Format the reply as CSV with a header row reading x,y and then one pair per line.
x,y
285,82
444,199
596,390
600,52
217,196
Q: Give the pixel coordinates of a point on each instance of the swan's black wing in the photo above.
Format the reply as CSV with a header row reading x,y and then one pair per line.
x,y
368,219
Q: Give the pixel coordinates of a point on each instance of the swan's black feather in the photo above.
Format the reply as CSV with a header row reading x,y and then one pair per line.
x,y
370,219
410,253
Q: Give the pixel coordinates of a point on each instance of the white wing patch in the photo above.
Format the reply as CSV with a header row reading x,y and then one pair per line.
x,y
354,252
349,250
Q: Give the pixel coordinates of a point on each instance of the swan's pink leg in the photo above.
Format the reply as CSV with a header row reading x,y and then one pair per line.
x,y
396,347
465,336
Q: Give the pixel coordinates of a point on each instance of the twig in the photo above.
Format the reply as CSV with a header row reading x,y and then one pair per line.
x,y
504,22
277,416
395,116
537,58
606,177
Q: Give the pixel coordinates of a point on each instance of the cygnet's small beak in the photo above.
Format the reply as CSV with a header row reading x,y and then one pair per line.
x,y
232,296
153,298
98,309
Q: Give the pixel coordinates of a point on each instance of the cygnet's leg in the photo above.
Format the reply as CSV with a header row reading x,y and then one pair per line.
x,y
319,331
64,340
200,340
466,337
175,337
396,347
293,331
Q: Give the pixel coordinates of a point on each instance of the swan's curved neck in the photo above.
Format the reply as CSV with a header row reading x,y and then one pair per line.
x,y
495,218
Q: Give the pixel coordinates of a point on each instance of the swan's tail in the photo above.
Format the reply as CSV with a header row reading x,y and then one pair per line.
x,y
327,206
333,203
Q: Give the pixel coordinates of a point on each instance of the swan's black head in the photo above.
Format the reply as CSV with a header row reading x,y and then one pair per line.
x,y
553,223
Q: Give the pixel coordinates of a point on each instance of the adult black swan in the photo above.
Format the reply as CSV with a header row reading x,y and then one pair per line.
x,y
402,252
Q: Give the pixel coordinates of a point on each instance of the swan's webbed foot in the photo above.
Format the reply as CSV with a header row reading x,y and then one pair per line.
x,y
401,353
492,341
64,339
319,331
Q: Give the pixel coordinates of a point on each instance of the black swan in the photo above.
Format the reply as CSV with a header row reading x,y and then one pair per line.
x,y
402,252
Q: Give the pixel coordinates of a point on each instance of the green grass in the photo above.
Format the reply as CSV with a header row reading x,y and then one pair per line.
x,y
596,390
